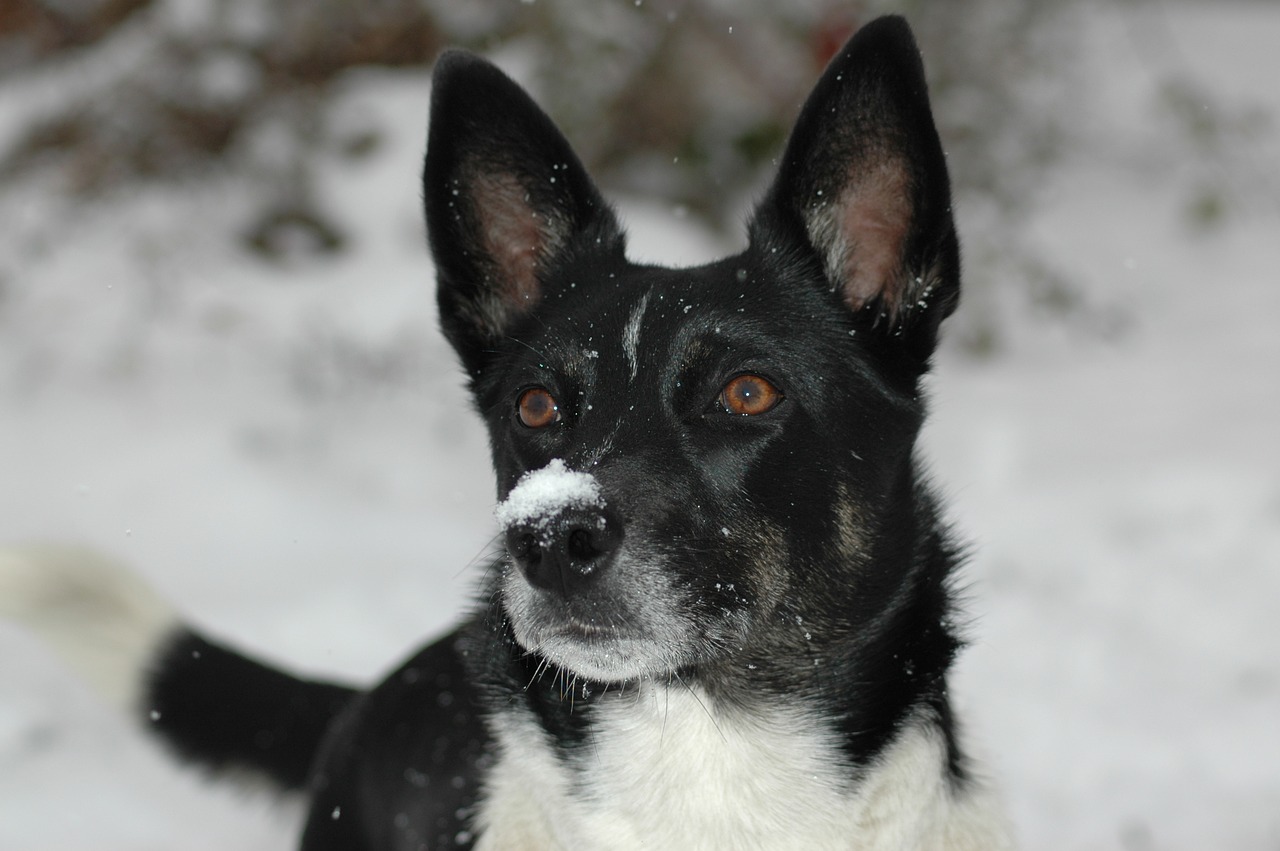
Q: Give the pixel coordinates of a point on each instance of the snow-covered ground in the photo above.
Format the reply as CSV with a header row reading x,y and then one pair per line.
x,y
285,451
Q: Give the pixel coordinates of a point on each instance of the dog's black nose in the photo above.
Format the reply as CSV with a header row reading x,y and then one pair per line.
x,y
566,552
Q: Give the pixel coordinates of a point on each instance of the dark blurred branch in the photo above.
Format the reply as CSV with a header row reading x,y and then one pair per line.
x,y
34,30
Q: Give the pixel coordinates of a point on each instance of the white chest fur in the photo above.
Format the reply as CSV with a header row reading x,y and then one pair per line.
x,y
666,772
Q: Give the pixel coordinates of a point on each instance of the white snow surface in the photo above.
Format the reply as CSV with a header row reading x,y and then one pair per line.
x,y
286,452
543,493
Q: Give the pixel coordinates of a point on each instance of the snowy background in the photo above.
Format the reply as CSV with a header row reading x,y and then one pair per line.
x,y
284,449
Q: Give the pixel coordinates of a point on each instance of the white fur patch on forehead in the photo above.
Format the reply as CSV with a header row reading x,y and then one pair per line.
x,y
631,335
543,493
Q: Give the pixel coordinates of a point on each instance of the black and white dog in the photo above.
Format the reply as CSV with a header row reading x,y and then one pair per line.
x,y
721,618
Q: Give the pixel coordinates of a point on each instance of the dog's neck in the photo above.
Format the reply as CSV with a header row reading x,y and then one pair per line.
x,y
666,766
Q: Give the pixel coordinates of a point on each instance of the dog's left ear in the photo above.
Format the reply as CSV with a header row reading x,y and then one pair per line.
x,y
506,199
864,184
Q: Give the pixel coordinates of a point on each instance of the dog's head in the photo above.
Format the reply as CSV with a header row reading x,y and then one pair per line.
x,y
691,459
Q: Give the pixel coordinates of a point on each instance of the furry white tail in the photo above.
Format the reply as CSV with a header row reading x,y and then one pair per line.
x,y
100,618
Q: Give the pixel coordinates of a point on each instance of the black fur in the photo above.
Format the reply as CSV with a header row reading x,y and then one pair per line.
x,y
403,764
795,556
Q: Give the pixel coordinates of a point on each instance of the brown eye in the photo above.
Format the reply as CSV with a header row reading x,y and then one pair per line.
x,y
537,408
748,395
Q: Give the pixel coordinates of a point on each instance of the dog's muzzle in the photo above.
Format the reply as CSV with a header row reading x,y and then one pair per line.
x,y
566,552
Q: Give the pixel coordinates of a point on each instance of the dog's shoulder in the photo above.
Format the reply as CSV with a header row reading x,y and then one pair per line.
x,y
402,766
665,768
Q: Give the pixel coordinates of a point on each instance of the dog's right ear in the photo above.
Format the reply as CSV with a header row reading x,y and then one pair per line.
x,y
506,201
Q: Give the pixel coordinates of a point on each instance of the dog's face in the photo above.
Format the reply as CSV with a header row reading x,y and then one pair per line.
x,y
668,445
693,463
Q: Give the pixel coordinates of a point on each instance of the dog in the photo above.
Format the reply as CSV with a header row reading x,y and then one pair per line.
x,y
722,616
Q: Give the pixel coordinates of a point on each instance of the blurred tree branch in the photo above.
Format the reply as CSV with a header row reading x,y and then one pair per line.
x,y
679,99
685,100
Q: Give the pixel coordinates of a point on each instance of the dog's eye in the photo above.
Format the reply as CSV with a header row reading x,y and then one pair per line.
x,y
748,395
537,408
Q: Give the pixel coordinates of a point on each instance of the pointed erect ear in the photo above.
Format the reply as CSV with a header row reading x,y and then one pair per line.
x,y
506,201
864,182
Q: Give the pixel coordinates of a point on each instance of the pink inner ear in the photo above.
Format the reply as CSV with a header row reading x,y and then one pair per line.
x,y
515,239
875,216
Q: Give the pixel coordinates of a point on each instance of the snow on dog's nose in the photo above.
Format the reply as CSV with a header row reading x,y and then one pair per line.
x,y
558,529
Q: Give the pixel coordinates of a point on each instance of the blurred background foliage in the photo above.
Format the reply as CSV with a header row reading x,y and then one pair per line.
x,y
687,101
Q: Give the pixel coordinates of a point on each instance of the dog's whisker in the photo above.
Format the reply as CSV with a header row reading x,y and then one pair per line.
x,y
526,345
666,711
705,709
538,671
490,552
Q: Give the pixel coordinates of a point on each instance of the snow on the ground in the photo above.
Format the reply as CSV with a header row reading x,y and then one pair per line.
x,y
286,452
